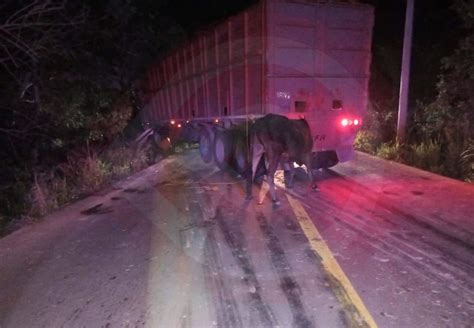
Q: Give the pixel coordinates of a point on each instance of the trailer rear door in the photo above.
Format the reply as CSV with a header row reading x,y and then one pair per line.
x,y
318,59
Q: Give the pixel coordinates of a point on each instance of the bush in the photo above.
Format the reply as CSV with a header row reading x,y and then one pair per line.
x,y
366,141
84,172
391,151
426,156
12,193
467,162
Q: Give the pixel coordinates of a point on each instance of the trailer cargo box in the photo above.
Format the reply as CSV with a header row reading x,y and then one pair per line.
x,y
294,58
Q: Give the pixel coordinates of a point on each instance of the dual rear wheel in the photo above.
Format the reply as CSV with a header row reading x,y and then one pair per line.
x,y
226,147
229,150
205,145
223,149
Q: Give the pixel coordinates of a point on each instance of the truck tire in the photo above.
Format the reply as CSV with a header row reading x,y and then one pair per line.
x,y
205,146
240,158
223,149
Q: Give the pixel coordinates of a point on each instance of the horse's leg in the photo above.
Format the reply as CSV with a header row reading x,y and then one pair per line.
x,y
292,174
288,170
274,159
309,169
256,152
249,183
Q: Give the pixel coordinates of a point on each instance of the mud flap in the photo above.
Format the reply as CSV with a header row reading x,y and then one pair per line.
x,y
324,159
345,154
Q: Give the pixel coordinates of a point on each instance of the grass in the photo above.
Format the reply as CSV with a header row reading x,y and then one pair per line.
x,y
393,151
467,162
426,156
366,141
451,159
84,172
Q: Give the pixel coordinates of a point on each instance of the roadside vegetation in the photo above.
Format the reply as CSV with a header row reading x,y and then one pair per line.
x,y
68,97
84,172
440,134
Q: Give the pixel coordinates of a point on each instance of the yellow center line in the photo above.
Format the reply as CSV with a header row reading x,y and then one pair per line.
x,y
355,309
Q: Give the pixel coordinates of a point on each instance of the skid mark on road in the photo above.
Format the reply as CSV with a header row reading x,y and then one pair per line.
x,y
237,244
354,307
288,284
219,293
227,312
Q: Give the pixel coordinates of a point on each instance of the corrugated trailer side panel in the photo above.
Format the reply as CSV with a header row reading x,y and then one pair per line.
x,y
159,82
211,75
199,88
177,107
217,74
184,92
160,92
237,71
167,88
176,86
255,59
187,78
222,43
155,95
149,93
162,112
145,97
191,81
169,100
178,73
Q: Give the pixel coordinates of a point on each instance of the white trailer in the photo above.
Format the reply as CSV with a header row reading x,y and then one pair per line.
x,y
293,58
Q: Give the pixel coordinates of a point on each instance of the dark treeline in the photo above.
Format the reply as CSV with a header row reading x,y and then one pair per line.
x,y
67,76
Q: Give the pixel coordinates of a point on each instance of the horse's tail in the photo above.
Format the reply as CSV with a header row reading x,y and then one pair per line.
x,y
306,130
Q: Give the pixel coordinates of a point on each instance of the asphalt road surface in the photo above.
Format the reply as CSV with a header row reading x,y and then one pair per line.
x,y
177,245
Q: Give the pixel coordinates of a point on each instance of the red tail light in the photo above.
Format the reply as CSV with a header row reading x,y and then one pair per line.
x,y
348,121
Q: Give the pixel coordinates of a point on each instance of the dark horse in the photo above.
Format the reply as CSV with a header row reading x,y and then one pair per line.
x,y
277,137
